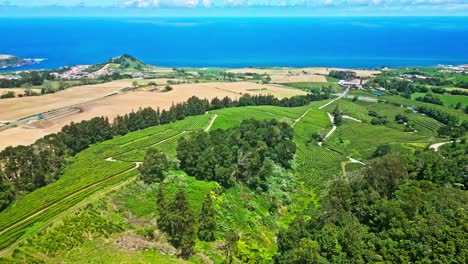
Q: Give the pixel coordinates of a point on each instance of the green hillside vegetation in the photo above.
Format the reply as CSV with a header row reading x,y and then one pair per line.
x,y
360,140
447,99
127,143
127,63
253,180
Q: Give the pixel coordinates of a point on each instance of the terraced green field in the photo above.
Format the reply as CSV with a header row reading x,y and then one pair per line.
x,y
347,107
360,140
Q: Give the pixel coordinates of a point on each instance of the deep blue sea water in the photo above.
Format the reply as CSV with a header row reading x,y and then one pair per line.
x,y
238,42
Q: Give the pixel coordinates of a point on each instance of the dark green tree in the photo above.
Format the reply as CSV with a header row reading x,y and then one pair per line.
x,y
181,227
162,207
207,220
154,166
337,116
6,193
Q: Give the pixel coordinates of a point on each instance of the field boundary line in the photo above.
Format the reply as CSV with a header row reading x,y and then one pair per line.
x,y
302,116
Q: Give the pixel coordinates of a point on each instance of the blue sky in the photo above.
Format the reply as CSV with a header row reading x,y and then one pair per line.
x,y
233,7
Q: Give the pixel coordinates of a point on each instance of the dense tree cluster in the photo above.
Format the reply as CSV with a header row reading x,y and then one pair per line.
x,y
177,219
27,77
445,167
458,92
25,168
430,98
377,119
244,153
454,131
438,114
154,166
395,211
79,136
343,75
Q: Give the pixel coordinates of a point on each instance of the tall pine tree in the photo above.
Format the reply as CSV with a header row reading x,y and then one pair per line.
x,y
163,217
181,227
337,116
207,220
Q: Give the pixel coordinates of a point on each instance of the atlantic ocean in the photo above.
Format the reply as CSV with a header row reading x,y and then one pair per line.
x,y
354,42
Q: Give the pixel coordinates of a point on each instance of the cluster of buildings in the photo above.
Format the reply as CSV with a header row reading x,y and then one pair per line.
x,y
355,83
463,69
79,72
414,76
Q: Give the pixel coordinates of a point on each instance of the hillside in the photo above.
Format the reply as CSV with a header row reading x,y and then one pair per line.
x,y
10,61
248,195
127,63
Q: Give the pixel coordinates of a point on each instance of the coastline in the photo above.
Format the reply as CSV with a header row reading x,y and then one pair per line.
x,y
24,63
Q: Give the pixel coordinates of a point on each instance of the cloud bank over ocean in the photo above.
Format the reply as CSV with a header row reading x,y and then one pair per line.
x,y
294,7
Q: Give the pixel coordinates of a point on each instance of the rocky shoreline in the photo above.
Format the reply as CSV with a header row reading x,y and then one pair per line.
x,y
10,61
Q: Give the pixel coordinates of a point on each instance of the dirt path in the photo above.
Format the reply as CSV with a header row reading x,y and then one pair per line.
x,y
302,116
321,107
213,119
351,160
436,146
345,92
352,118
332,120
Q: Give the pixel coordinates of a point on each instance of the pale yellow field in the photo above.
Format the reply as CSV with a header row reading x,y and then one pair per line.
x,y
125,103
17,108
158,81
359,73
302,71
277,78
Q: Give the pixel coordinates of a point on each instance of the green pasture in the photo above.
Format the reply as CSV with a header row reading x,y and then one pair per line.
x,y
448,99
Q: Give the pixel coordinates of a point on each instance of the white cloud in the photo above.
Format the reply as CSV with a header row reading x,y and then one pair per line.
x,y
157,3
443,4
138,3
